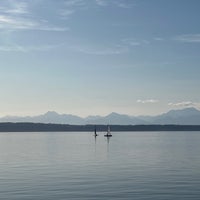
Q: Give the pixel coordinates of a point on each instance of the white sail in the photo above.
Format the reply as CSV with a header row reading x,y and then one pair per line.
x,y
108,134
108,131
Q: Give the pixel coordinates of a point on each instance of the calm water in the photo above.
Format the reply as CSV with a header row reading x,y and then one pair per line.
x,y
137,165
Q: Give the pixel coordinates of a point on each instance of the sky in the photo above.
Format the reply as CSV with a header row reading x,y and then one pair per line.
x,y
94,57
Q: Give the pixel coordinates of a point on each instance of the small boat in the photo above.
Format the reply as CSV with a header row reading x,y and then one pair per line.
x,y
108,134
95,132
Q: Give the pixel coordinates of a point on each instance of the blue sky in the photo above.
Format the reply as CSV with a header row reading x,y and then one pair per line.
x,y
93,57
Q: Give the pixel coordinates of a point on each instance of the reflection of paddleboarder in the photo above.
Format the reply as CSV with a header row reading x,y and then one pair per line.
x,y
95,131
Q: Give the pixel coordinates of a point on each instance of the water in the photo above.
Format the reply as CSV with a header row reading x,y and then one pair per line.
x,y
130,165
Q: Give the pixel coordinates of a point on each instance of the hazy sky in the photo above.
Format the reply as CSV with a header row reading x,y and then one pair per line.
x,y
92,57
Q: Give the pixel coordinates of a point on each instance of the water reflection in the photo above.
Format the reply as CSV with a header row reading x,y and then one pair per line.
x,y
108,141
135,165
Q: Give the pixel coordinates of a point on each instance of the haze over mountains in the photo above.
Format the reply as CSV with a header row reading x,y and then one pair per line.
x,y
187,116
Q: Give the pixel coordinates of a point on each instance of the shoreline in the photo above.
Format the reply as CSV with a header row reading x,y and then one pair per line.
x,y
44,127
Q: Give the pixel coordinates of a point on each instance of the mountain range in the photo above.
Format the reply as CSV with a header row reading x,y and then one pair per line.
x,y
187,116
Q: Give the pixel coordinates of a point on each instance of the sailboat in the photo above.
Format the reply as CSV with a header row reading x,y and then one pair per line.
x,y
108,134
95,132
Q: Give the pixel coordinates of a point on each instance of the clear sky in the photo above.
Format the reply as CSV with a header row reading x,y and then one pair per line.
x,y
93,57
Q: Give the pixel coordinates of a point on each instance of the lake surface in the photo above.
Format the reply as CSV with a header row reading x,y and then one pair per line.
x,y
130,165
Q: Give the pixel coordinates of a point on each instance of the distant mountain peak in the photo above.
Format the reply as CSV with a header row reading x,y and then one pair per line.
x,y
113,114
191,109
51,113
185,111
186,116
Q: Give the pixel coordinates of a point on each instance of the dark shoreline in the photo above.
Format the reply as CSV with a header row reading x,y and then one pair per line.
x,y
42,127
